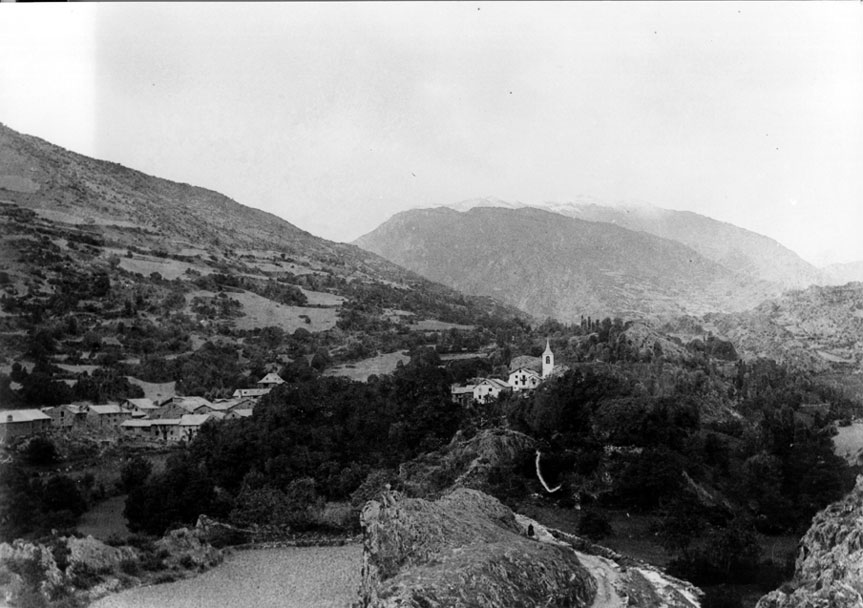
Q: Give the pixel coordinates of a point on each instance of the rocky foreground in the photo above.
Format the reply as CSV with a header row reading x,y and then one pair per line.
x,y
468,549
829,568
71,571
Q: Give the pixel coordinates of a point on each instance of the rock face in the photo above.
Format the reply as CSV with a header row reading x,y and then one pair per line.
x,y
829,568
467,549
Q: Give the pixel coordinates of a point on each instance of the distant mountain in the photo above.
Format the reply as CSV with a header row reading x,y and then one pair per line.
x,y
839,274
737,249
551,265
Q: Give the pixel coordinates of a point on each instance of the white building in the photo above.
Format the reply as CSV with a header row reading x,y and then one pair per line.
x,y
524,379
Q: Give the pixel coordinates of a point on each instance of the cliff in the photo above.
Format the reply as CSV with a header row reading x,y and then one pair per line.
x,y
468,549
829,568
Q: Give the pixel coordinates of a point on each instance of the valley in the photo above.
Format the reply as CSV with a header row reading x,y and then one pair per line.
x,y
276,383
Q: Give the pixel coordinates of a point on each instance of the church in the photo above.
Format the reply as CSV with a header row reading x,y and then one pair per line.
x,y
524,376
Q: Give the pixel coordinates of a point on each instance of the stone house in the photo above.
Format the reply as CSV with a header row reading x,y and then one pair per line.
x,y
67,415
106,416
22,423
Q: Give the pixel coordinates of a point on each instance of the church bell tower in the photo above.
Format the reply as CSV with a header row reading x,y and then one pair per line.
x,y
547,360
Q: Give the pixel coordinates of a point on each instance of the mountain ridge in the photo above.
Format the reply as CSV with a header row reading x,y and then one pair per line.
x,y
738,249
552,265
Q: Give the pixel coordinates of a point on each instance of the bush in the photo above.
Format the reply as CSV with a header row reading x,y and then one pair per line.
x,y
40,451
594,525
132,567
722,596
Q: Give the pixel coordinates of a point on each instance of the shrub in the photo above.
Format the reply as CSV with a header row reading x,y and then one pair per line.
x,y
594,525
132,567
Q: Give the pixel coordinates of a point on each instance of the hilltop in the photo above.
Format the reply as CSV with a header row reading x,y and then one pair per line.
x,y
562,267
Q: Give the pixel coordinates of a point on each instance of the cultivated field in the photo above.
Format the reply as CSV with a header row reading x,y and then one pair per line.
x,y
361,370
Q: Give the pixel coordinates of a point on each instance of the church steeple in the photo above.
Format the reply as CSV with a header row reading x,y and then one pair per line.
x,y
547,360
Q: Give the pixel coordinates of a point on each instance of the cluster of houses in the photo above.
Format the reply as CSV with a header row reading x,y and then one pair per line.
x,y
170,420
526,373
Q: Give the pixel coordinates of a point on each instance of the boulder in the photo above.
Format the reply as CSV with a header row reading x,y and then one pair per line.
x,y
95,556
188,548
27,567
829,568
465,549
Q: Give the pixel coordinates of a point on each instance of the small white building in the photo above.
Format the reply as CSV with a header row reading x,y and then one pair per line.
x,y
251,392
524,379
271,380
488,389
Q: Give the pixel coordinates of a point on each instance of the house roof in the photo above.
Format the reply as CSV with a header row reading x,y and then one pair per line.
x,y
190,404
165,421
525,370
102,410
241,412
494,382
137,423
194,419
143,403
28,415
271,378
458,390
251,392
526,362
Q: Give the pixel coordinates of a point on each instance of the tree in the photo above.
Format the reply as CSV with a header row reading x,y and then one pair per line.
x,y
134,473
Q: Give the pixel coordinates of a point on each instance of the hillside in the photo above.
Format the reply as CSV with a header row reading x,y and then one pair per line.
x,y
93,250
549,265
818,328
735,248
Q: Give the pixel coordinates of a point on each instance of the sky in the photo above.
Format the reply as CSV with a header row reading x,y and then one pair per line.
x,y
336,116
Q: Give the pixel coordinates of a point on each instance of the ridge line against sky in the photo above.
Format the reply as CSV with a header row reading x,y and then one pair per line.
x,y
336,116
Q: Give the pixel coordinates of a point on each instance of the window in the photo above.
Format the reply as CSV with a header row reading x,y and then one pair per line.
x,y
548,359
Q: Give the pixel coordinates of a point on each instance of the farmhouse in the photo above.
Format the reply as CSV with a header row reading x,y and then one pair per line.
x,y
140,407
251,392
271,380
462,394
106,415
488,389
66,415
22,423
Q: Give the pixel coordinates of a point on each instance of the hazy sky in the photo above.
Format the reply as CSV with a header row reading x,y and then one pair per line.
x,y
335,116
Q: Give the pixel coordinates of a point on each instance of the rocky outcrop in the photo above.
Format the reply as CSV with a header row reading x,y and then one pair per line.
x,y
468,549
465,462
79,570
829,568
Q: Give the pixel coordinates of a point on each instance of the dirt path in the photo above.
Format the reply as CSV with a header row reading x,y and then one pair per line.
x,y
606,574
308,577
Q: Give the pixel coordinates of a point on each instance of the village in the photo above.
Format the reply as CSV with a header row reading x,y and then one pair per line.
x,y
167,419
526,373
171,418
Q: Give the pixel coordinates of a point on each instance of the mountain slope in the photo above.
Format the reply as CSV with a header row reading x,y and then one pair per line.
x,y
817,328
737,249
91,248
550,265
839,274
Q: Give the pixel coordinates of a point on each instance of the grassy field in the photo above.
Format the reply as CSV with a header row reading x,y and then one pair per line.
x,y
105,519
169,269
261,312
361,370
153,390
432,325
